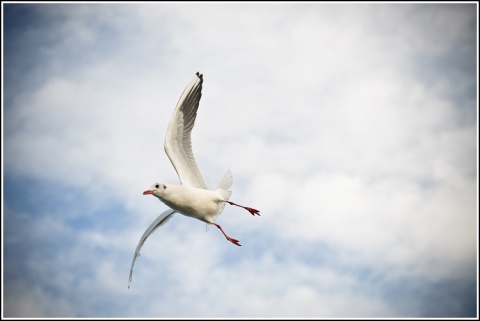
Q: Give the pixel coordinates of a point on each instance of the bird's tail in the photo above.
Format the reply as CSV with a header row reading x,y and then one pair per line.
x,y
223,188
225,185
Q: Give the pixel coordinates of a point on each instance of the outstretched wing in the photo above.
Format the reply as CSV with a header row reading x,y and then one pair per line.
x,y
178,140
162,219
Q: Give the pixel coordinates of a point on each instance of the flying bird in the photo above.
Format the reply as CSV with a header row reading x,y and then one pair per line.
x,y
192,197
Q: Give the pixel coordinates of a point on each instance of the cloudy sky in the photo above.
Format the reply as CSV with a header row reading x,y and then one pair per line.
x,y
351,127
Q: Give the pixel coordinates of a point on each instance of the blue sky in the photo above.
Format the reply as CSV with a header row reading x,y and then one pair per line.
x,y
351,127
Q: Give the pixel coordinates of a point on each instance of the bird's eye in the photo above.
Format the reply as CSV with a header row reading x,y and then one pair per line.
x,y
164,186
157,186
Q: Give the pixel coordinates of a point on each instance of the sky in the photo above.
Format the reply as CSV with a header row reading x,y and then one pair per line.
x,y
351,127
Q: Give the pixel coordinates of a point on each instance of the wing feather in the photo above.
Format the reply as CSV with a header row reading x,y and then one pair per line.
x,y
178,140
162,219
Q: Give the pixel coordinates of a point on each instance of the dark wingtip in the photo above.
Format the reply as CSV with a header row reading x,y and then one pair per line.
x,y
199,75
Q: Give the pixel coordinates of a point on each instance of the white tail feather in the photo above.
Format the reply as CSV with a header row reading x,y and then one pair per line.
x,y
226,181
223,188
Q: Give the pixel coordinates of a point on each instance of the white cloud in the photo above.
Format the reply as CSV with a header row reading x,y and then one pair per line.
x,y
321,111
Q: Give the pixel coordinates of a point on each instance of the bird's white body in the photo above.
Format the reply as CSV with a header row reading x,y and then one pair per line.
x,y
191,198
202,204
195,202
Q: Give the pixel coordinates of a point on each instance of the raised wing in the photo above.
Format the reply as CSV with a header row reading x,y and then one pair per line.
x,y
178,140
162,219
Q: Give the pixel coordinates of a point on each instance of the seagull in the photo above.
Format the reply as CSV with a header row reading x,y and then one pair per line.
x,y
192,197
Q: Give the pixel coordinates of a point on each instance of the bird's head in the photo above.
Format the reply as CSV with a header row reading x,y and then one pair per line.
x,y
156,189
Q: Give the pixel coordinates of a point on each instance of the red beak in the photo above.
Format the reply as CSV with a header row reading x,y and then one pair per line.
x,y
147,192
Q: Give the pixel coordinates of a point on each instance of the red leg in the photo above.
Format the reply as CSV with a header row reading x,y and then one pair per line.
x,y
234,241
251,210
